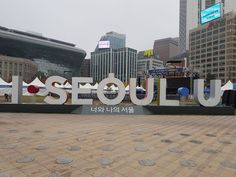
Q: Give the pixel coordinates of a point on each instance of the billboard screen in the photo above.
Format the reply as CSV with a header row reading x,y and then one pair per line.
x,y
211,13
104,44
148,53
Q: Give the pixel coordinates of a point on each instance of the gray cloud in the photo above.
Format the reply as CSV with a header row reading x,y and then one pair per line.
x,y
83,21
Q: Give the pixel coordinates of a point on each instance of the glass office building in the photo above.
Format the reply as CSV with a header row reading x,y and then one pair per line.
x,y
53,57
111,56
122,62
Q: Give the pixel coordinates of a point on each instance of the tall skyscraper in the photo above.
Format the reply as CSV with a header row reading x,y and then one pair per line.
x,y
111,56
122,62
188,20
190,13
116,41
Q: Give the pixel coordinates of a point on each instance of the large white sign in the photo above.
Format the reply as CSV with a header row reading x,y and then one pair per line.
x,y
104,44
62,95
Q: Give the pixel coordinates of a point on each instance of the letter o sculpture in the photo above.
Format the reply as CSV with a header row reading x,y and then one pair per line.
x,y
121,93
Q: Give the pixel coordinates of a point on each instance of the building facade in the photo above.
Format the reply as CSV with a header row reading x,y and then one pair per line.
x,y
178,61
166,48
213,48
147,61
85,68
13,66
122,62
190,13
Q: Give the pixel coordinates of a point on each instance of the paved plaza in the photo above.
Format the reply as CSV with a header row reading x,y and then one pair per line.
x,y
49,145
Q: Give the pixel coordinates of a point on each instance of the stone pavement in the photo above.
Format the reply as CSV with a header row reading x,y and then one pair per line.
x,y
49,145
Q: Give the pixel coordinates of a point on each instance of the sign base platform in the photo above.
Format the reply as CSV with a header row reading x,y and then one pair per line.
x,y
116,110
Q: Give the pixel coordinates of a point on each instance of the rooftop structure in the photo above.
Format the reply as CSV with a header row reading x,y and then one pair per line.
x,y
112,40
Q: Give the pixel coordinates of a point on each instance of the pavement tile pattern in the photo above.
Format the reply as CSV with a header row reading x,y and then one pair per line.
x,y
51,145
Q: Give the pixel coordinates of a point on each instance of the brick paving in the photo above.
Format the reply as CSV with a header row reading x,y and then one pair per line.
x,y
49,145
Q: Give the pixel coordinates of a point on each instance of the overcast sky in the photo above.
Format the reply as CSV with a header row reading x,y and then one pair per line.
x,y
83,22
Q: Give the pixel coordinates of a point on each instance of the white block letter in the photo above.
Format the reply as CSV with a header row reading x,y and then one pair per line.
x,y
58,91
76,90
215,93
17,89
121,93
149,92
162,93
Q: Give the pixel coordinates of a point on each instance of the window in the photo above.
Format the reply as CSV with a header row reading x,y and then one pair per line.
x,y
222,29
